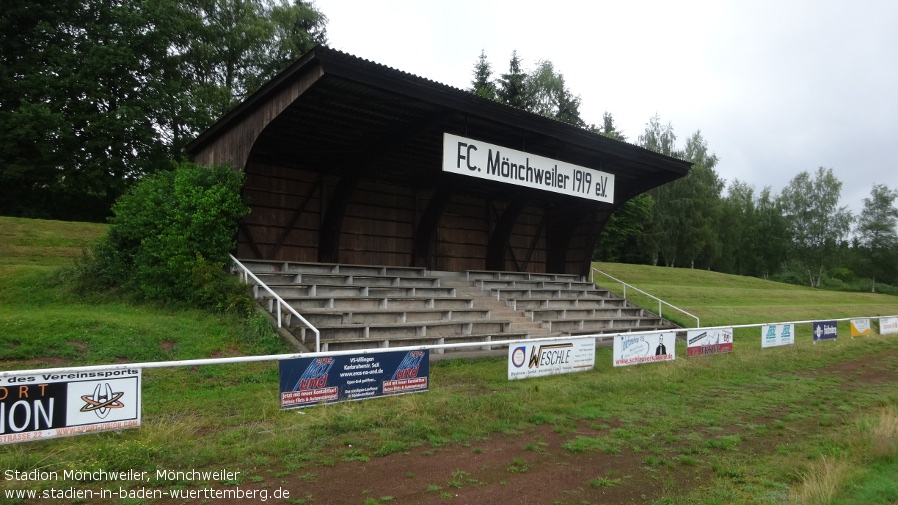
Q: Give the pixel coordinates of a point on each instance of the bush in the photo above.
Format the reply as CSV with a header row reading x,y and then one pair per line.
x,y
170,238
791,277
843,274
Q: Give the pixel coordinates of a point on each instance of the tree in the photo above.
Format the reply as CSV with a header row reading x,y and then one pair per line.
x,y
621,234
816,223
549,95
773,244
659,238
738,231
542,91
512,87
78,103
660,139
699,204
238,45
95,94
608,128
877,231
684,223
482,85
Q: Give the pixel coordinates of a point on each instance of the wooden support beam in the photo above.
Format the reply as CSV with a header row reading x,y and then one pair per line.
x,y
295,217
242,227
427,227
498,241
329,236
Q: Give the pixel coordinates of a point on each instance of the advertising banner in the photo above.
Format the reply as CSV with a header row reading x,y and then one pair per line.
x,y
36,407
482,160
549,357
861,327
825,330
713,341
888,325
649,348
310,381
773,335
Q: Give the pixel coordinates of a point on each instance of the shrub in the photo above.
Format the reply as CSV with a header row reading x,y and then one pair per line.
x,y
170,238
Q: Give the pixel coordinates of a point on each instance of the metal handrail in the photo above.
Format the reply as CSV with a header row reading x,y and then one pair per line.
x,y
660,301
281,357
280,301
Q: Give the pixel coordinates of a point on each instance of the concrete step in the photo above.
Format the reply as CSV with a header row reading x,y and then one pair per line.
x,y
489,284
368,343
603,324
332,317
513,293
621,329
474,275
261,266
403,330
519,322
327,290
373,302
584,313
357,307
567,302
277,278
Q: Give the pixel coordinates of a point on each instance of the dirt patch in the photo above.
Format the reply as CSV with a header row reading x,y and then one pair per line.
x,y
227,352
44,362
530,468
879,369
534,467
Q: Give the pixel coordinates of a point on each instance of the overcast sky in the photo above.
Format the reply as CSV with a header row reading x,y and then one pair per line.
x,y
776,87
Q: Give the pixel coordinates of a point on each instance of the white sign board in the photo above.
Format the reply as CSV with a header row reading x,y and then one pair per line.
x,y
773,335
861,326
35,407
888,325
474,158
549,357
709,341
648,348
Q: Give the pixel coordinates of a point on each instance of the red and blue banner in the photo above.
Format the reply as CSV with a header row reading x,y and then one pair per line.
x,y
327,379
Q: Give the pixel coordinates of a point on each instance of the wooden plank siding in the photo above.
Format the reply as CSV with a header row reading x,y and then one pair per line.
x,y
274,194
462,235
379,225
342,158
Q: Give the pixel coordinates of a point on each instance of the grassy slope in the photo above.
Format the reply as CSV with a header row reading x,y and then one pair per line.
x,y
28,242
721,299
227,416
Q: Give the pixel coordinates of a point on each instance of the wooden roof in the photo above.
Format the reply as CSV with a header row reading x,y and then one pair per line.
x,y
335,113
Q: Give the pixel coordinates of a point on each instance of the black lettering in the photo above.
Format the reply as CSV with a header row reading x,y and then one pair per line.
x,y
492,165
471,167
459,154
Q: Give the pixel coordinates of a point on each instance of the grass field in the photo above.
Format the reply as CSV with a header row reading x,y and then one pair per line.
x,y
802,424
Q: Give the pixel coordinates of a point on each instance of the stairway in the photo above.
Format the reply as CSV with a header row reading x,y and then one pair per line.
x,y
362,307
